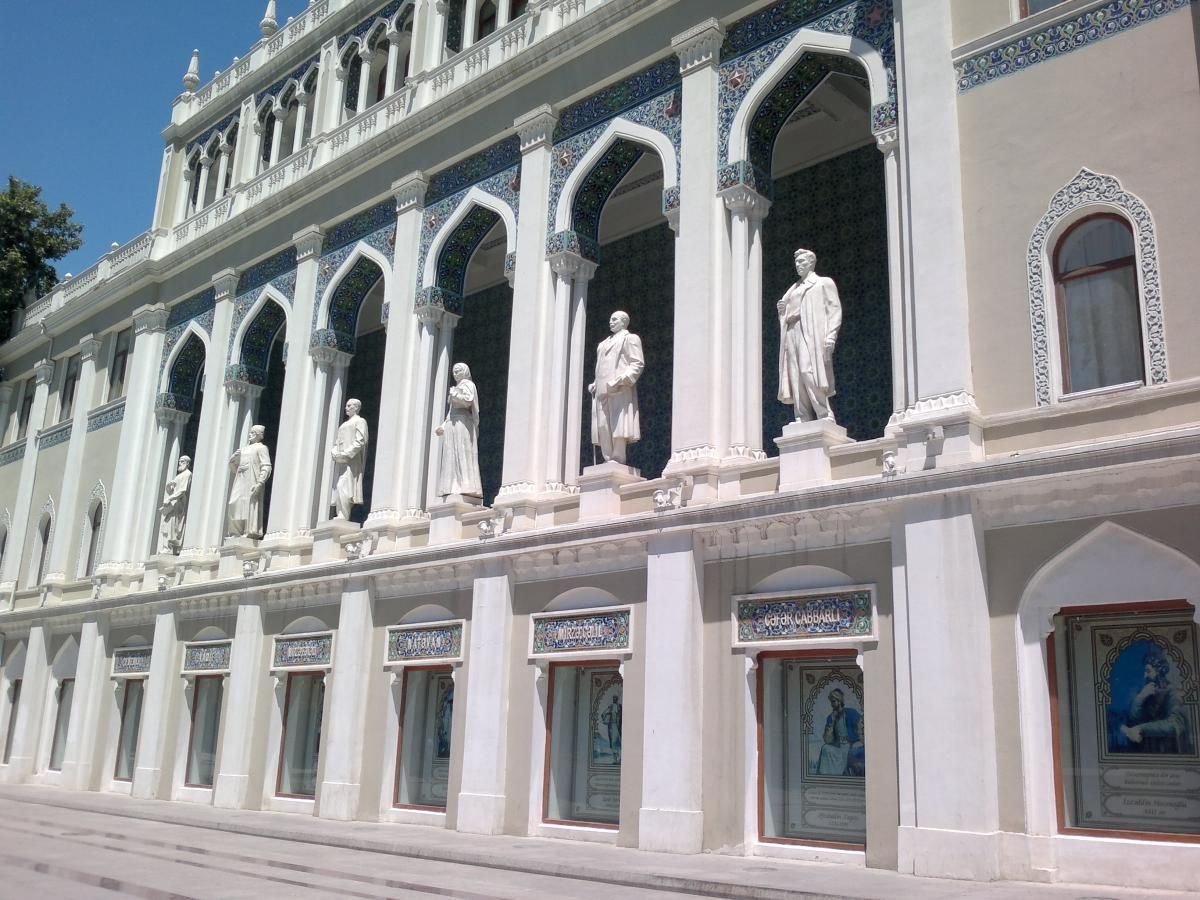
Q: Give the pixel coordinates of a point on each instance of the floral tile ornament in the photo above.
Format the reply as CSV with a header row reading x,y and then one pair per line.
x,y
436,642
131,661
303,651
207,657
585,631
803,616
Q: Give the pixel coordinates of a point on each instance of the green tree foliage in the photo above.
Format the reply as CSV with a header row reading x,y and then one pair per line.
x,y
31,234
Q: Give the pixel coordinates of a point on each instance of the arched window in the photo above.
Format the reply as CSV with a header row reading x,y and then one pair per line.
x,y
487,20
1099,313
518,8
95,520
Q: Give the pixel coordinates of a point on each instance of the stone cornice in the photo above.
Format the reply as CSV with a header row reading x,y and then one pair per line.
x,y
150,318
225,284
699,46
536,127
409,192
89,348
308,242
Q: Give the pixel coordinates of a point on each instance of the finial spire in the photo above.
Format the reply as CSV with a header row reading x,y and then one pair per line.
x,y
268,26
191,80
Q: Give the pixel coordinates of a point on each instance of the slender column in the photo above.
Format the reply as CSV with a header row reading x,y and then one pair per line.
x,y
202,194
482,798
82,753
18,532
393,62
331,90
529,347
364,79
183,205
699,425
902,375
29,713
68,498
437,411
167,438
502,10
246,668
6,395
156,711
436,51
277,133
223,169
575,373
301,121
395,443
210,479
349,695
246,149
671,818
471,23
565,265
331,378
296,457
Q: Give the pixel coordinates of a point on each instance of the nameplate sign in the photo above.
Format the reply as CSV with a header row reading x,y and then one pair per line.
x,y
435,642
800,616
582,631
303,651
207,657
131,661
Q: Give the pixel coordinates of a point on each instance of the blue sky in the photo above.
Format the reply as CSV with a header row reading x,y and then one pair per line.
x,y
86,89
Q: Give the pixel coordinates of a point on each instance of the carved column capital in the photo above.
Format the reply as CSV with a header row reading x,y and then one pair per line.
x,y
43,372
887,140
536,127
308,242
150,318
89,348
742,200
225,284
699,46
409,191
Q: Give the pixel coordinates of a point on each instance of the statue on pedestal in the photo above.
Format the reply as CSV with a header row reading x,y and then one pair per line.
x,y
174,508
619,364
458,471
810,314
251,467
349,459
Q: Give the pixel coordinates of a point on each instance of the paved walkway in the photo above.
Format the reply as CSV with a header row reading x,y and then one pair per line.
x,y
82,845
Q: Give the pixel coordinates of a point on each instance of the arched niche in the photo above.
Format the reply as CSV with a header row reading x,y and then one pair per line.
x,y
210,633
802,578
305,625
583,598
66,659
426,613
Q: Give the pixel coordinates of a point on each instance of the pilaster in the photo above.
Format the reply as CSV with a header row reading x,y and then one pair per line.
x,y
18,534
29,713
246,668
92,688
157,714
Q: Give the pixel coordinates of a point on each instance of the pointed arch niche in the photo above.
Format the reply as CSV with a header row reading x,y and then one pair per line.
x,y
348,351
465,309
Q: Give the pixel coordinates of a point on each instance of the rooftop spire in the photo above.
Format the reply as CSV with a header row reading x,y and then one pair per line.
x,y
191,80
268,26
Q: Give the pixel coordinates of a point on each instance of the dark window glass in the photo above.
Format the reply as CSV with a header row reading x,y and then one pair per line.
x,y
131,724
66,404
120,362
303,708
58,747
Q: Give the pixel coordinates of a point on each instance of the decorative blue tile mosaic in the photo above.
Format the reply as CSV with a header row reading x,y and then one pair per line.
x,y
178,402
573,242
250,375
296,74
290,653
188,364
52,437
199,309
441,298
1075,33
365,25
207,657
493,160
134,661
503,185
107,416
327,337
359,226
14,453
618,99
219,128
442,641
841,614
347,299
582,632
458,249
267,271
258,338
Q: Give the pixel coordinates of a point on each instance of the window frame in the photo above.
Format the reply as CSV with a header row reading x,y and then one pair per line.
x,y
10,728
287,697
25,408
187,762
67,400
124,725
117,355
58,722
437,668
1024,13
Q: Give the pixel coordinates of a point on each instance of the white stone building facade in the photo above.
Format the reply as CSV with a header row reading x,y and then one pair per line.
x,y
994,570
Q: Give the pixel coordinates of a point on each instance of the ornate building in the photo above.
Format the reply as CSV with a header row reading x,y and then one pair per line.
x,y
990,562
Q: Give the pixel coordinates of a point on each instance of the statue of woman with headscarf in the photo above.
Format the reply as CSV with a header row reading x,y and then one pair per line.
x,y
458,472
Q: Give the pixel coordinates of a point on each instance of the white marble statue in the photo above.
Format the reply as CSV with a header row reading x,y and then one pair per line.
x,y
810,315
174,508
458,471
250,467
349,459
619,364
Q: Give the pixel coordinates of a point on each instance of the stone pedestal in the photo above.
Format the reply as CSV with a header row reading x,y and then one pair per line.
x,y
158,566
286,551
118,578
195,567
445,518
327,539
234,552
598,495
390,532
804,453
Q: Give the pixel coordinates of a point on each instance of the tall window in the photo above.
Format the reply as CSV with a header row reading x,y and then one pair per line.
x,y
13,706
66,405
583,767
26,408
131,724
302,711
43,547
487,20
426,714
206,723
120,362
1033,7
95,520
58,747
1124,687
518,8
1099,313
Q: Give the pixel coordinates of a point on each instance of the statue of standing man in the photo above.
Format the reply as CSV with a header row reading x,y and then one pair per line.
x,y
810,315
174,508
349,459
619,364
250,467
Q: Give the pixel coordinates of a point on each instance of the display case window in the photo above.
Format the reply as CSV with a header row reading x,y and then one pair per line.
x,y
131,724
812,749
62,718
303,708
583,760
206,725
426,720
1125,694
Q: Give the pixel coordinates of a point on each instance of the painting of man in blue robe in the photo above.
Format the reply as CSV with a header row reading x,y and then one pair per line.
x,y
843,750
1145,713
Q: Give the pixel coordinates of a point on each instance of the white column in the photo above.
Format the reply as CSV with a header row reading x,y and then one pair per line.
x,y
699,426
902,374
247,666
395,443
344,732
69,498
481,801
28,729
565,265
279,113
364,79
183,205
413,483
435,51
437,406
246,148
502,10
156,709
330,92
301,120
671,818
92,688
14,550
944,691
332,382
393,62
129,481
575,373
202,192
296,449
222,168
530,345
470,23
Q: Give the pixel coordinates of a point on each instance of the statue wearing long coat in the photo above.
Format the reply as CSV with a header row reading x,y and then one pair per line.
x,y
619,364
808,329
350,454
244,514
